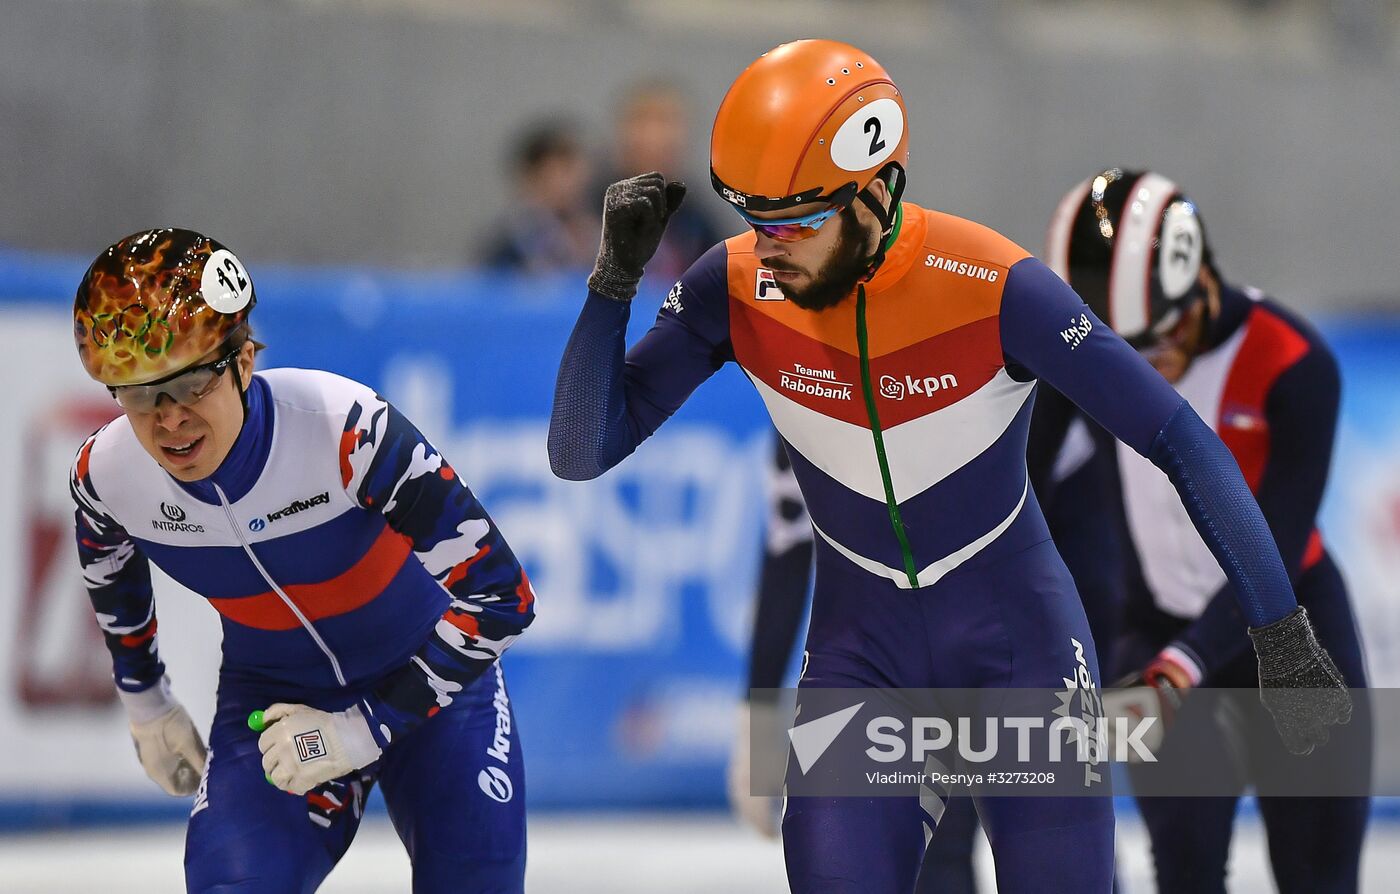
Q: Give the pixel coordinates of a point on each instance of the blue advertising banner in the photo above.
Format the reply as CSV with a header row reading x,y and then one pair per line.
x,y
626,687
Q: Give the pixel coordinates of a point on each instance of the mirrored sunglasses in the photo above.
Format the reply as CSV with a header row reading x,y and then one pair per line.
x,y
185,388
793,229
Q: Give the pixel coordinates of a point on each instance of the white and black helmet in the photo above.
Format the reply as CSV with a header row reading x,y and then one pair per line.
x,y
1132,245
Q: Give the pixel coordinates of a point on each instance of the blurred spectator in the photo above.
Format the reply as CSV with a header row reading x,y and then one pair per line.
x,y
554,223
651,125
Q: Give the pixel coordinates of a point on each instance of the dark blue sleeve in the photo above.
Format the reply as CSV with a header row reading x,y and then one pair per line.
x,y
118,580
1084,523
784,579
388,466
606,404
1301,412
1047,332
1050,421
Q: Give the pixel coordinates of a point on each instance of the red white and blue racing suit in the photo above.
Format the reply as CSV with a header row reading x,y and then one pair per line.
x,y
1269,384
905,411
350,565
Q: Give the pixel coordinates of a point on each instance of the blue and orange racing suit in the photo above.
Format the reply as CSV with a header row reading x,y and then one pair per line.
x,y
905,410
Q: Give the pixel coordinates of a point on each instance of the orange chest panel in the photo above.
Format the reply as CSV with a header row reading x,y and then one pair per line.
x,y
931,338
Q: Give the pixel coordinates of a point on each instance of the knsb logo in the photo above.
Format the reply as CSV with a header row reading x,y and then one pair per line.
x,y
256,525
496,784
810,740
1078,331
927,386
765,287
172,512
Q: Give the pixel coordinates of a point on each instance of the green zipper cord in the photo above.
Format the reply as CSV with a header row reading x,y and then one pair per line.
x,y
863,340
898,223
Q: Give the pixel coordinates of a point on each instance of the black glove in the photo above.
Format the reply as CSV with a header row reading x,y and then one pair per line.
x,y
1298,682
635,212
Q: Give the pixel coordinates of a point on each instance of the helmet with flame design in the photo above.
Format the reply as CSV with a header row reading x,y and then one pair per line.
x,y
157,302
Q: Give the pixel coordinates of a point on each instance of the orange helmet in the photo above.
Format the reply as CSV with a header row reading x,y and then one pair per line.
x,y
155,303
808,121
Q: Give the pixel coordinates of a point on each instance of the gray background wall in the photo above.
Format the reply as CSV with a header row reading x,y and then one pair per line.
x,y
374,132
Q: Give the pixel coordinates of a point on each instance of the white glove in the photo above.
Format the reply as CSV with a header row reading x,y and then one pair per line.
x,y
1156,694
760,812
167,743
303,747
1126,711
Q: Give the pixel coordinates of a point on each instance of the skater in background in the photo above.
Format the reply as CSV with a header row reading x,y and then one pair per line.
x,y
1132,244
550,225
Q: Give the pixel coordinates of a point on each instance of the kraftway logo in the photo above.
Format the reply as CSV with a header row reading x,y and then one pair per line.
x,y
175,521
894,389
496,784
293,508
493,780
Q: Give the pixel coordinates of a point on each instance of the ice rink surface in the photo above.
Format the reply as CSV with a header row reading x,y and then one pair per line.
x,y
574,854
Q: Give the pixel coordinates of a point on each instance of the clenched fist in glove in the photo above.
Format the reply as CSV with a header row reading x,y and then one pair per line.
x,y
167,744
303,747
1298,682
635,212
